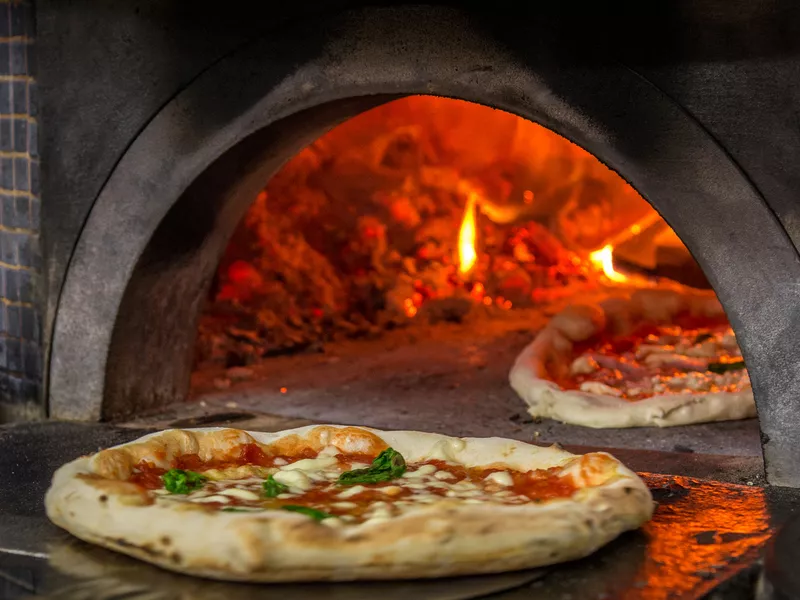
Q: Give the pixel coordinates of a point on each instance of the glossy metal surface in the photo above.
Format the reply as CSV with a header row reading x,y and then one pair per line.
x,y
703,533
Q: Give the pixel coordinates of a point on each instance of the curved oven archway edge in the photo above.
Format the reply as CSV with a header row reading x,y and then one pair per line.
x,y
125,321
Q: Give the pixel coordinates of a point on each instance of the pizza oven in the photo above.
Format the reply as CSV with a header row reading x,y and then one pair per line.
x,y
361,214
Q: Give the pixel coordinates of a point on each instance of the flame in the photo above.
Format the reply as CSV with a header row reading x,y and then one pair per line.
x,y
467,255
604,259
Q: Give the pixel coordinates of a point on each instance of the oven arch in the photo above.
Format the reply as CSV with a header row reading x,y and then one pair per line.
x,y
125,320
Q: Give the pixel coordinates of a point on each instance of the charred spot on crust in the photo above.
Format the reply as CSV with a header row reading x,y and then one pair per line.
x,y
103,498
588,522
628,490
553,553
176,558
166,540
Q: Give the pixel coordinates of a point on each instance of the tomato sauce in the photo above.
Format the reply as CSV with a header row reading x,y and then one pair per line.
x,y
147,475
543,484
635,379
537,485
246,454
347,460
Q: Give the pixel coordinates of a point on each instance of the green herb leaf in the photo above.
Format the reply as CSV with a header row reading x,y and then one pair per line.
x,y
178,481
272,488
315,514
388,465
702,337
721,367
234,509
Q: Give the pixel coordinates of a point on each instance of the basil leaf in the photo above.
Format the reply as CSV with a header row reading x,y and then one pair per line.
x,y
178,481
388,465
234,509
315,514
272,488
719,367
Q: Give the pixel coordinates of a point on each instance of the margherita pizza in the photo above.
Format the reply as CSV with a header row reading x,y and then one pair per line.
x,y
658,358
344,503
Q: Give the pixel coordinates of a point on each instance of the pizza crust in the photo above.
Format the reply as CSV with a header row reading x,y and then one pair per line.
x,y
442,539
550,354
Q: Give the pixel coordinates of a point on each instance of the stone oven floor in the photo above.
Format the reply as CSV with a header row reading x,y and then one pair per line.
x,y
445,378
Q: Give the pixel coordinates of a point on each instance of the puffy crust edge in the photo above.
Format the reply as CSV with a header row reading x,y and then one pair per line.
x,y
549,355
445,539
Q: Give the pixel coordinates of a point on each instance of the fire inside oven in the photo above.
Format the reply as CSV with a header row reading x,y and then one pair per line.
x,y
425,217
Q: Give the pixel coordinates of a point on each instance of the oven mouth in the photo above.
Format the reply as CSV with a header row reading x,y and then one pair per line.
x,y
428,209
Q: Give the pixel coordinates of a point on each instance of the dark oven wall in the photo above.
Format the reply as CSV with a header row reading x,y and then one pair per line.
x,y
727,72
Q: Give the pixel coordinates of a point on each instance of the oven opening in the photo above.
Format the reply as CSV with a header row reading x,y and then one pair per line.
x,y
390,273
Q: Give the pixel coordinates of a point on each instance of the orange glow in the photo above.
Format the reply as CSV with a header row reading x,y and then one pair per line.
x,y
604,259
734,517
378,220
409,307
467,256
478,292
283,390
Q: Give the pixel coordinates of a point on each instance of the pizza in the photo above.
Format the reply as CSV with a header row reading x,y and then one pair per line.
x,y
655,358
344,503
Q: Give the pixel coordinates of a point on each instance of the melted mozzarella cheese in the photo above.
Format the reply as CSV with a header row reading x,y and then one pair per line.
x,y
583,365
294,479
350,492
240,493
501,478
445,450
210,499
420,472
311,465
241,472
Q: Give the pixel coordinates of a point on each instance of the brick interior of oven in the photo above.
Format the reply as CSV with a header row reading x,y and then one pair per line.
x,y
345,296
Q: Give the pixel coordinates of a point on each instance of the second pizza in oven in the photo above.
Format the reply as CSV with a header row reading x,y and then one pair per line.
x,y
654,358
